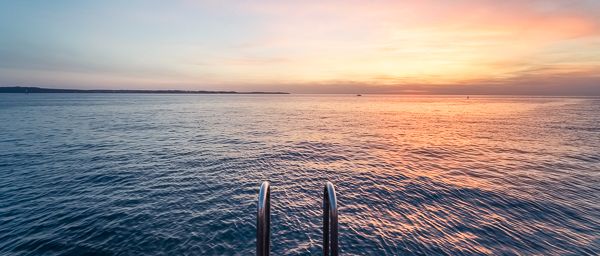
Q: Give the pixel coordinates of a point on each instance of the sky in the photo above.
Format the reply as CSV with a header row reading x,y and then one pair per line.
x,y
549,47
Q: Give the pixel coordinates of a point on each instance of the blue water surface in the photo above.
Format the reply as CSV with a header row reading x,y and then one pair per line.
x,y
145,174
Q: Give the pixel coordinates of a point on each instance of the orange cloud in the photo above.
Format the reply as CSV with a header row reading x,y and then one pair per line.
x,y
415,41
380,46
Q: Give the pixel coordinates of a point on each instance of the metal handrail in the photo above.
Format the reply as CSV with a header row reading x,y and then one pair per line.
x,y
330,221
263,220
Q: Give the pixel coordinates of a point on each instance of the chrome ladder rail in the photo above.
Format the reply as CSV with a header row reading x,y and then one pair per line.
x,y
263,220
330,221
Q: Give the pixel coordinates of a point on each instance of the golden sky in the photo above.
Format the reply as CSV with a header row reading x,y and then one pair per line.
x,y
461,46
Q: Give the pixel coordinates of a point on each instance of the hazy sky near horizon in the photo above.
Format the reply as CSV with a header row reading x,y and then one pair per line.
x,y
411,46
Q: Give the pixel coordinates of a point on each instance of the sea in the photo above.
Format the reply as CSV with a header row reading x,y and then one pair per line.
x,y
150,174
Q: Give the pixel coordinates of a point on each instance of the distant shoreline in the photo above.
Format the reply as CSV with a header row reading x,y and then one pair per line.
x,y
18,89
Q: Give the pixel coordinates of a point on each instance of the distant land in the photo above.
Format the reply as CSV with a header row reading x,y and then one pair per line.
x,y
19,89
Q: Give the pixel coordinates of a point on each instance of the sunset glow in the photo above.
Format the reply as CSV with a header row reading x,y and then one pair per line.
x,y
466,46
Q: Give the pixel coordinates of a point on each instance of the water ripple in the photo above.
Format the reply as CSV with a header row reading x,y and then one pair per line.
x,y
178,174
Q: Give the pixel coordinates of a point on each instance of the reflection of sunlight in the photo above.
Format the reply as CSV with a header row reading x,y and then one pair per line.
x,y
442,139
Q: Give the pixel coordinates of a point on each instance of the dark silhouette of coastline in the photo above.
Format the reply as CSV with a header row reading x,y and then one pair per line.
x,y
18,89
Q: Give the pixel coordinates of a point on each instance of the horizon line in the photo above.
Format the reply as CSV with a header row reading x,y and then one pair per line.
x,y
38,90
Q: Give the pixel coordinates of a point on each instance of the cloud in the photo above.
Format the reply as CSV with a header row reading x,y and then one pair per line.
x,y
306,46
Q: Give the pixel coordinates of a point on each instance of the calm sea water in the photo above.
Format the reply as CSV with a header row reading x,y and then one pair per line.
x,y
116,174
